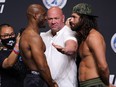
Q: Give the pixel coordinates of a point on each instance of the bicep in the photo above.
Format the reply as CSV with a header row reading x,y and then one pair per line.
x,y
37,51
70,41
71,45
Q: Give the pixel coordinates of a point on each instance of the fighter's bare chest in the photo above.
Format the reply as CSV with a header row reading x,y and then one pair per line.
x,y
83,49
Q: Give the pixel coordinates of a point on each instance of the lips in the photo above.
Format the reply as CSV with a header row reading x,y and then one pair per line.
x,y
53,26
72,25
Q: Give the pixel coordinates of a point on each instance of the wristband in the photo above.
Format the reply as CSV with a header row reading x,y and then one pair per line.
x,y
16,51
16,45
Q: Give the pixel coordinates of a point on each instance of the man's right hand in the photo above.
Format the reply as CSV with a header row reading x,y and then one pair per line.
x,y
67,23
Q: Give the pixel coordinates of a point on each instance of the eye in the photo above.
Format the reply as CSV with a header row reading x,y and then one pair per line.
x,y
7,35
4,36
49,18
12,33
56,18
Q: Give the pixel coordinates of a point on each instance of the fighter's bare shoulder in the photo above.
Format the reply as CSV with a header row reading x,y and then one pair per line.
x,y
94,38
31,37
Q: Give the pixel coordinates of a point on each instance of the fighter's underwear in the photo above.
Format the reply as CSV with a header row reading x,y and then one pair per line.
x,y
34,79
35,72
95,82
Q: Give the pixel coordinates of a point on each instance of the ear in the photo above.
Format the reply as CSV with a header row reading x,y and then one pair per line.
x,y
36,16
63,18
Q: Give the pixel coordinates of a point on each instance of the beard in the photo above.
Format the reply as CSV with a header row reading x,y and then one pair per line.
x,y
74,27
41,24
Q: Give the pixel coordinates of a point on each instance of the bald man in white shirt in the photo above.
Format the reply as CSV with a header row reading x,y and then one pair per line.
x,y
61,47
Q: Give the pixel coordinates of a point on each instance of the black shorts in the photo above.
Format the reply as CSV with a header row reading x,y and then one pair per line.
x,y
34,80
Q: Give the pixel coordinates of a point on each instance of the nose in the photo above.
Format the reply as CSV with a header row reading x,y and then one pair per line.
x,y
53,21
45,17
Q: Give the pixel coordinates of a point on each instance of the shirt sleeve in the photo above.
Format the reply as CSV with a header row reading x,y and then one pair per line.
x,y
70,35
3,56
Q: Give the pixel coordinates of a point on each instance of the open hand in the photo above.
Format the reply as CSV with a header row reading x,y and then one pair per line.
x,y
59,48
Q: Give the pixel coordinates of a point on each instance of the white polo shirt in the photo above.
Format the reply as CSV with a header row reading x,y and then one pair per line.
x,y
63,67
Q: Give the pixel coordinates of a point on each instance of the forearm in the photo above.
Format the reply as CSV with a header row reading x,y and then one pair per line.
x,y
11,59
45,72
104,74
69,51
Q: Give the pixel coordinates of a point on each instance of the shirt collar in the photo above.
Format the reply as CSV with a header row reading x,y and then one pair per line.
x,y
60,30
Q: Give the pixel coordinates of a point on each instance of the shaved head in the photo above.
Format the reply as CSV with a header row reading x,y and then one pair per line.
x,y
36,13
55,9
35,9
55,18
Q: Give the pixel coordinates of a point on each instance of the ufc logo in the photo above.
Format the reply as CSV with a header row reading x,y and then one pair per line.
x,y
2,5
2,1
113,79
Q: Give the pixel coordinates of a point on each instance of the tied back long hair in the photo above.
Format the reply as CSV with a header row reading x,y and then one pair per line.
x,y
86,24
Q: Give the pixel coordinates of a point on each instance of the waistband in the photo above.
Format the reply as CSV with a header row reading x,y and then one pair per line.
x,y
34,72
90,82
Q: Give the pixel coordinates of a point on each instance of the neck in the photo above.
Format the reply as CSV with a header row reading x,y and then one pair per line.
x,y
53,33
33,26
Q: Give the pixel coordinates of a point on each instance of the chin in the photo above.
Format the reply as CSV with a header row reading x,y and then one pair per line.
x,y
74,29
